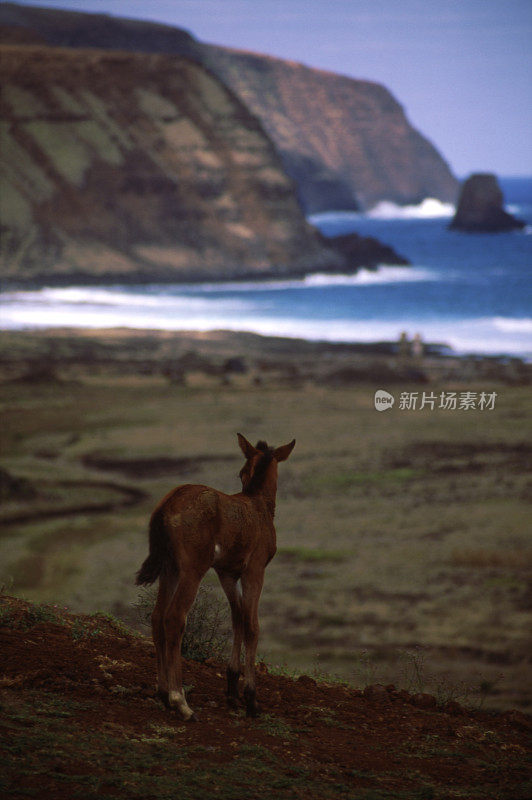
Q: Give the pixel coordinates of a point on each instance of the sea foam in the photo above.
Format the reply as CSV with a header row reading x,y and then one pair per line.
x,y
84,308
429,208
151,297
384,274
509,325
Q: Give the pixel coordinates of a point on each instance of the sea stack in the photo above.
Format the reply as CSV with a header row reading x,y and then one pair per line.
x,y
481,207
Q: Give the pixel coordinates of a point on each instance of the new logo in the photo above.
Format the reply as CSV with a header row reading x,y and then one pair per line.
x,y
383,400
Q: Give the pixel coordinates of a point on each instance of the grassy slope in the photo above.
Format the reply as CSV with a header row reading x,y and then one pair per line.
x,y
401,535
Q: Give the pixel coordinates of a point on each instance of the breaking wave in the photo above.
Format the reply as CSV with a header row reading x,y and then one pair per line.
x,y
429,208
384,274
112,308
368,276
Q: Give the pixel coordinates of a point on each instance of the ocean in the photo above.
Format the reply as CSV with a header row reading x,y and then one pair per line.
x,y
471,292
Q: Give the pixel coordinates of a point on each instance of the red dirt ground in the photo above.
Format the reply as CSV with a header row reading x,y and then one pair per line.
x,y
380,743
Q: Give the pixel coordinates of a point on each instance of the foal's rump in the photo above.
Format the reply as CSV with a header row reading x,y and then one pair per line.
x,y
182,528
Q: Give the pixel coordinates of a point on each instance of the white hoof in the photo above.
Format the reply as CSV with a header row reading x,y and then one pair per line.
x,y
177,700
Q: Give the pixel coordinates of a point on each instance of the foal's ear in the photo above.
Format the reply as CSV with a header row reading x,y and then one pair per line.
x,y
246,447
282,453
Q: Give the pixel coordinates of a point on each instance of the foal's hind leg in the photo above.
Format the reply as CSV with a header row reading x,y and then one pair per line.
x,y
234,595
167,585
175,620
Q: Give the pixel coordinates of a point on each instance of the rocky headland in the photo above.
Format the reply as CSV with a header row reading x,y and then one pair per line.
x,y
480,207
138,167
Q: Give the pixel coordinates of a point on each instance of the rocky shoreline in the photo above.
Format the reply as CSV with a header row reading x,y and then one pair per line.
x,y
351,252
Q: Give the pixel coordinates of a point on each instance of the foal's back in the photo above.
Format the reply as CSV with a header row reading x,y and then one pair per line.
x,y
218,528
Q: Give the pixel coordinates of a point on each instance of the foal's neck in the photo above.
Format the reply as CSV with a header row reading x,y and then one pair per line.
x,y
268,492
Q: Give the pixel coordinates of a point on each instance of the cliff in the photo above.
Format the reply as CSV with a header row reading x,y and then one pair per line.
x,y
346,143
140,167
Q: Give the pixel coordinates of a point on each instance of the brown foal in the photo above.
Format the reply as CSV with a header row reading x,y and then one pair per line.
x,y
194,528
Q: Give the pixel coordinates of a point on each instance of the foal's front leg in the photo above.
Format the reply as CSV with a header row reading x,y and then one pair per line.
x,y
251,589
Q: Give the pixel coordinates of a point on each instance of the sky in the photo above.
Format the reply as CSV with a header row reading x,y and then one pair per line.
x,y
462,69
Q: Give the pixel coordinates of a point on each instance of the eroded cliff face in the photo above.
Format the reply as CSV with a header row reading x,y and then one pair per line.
x,y
347,143
120,166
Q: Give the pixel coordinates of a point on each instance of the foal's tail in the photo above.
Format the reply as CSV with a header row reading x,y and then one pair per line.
x,y
159,556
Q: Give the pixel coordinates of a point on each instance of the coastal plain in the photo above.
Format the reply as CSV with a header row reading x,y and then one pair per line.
x,y
402,550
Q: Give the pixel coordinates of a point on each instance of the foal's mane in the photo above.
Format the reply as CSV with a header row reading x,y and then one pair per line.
x,y
257,479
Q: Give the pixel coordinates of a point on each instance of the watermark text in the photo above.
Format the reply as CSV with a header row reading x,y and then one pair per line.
x,y
449,401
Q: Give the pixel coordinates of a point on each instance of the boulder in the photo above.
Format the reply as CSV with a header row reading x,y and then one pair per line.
x,y
364,251
481,207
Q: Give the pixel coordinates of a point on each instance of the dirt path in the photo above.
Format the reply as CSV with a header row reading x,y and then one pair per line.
x,y
126,496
